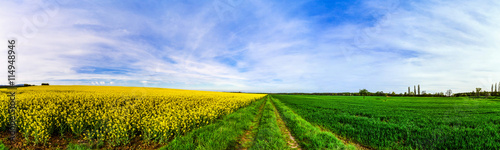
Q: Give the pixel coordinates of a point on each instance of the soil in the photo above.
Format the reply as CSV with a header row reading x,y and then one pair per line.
x,y
284,129
62,142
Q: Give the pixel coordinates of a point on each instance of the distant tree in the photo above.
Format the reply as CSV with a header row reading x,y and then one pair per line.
x,y
414,90
491,87
496,90
419,89
379,93
408,90
393,93
477,91
363,92
449,93
424,92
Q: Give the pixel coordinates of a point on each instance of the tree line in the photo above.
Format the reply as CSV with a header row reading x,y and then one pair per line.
x,y
416,92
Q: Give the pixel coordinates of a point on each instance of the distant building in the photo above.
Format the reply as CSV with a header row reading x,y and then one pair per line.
x,y
45,84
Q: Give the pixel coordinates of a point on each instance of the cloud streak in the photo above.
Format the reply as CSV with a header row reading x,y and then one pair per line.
x,y
257,46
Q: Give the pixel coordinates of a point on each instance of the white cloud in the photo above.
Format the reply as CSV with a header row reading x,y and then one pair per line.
x,y
454,44
439,45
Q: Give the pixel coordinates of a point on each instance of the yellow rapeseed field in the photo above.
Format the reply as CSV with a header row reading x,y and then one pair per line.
x,y
116,114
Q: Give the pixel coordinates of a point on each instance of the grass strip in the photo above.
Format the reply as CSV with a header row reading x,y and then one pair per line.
x,y
222,134
308,136
269,136
284,129
248,137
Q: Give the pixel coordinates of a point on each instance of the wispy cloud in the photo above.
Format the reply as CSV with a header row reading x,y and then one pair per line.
x,y
258,46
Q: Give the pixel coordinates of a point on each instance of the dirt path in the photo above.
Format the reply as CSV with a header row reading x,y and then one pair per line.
x,y
246,140
284,129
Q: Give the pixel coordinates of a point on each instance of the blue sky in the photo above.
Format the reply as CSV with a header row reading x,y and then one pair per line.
x,y
257,45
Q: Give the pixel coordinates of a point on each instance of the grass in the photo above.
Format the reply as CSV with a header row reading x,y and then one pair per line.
x,y
404,122
269,135
247,140
2,146
72,146
308,136
223,134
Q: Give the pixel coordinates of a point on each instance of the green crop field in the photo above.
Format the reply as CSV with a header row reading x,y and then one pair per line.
x,y
404,122
273,122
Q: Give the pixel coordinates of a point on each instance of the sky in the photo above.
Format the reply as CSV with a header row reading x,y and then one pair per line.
x,y
256,45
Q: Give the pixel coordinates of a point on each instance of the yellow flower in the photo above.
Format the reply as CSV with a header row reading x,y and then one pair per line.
x,y
118,111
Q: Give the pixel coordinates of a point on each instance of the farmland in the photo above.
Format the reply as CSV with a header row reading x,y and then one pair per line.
x,y
116,115
152,118
404,122
258,127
